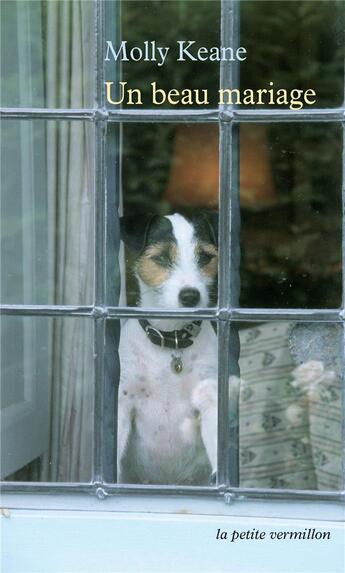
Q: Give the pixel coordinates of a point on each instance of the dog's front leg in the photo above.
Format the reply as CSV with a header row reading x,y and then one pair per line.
x,y
204,399
124,424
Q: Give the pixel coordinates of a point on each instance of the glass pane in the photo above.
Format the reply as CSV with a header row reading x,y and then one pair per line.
x,y
296,45
167,416
47,399
290,405
290,194
152,32
47,53
170,169
47,184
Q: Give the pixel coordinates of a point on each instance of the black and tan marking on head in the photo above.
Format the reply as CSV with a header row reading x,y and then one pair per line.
x,y
152,240
206,234
175,256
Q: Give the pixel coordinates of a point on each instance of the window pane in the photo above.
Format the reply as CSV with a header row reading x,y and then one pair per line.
x,y
167,402
47,171
47,53
290,405
290,194
296,45
171,169
47,399
147,26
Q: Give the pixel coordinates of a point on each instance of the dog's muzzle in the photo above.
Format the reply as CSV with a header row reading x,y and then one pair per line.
x,y
189,297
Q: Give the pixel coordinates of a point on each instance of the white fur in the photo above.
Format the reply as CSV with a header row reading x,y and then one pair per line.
x,y
167,422
185,273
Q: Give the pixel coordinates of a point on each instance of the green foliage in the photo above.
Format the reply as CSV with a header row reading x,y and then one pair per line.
x,y
297,45
166,23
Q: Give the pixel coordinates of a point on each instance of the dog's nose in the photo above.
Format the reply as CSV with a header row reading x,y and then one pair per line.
x,y
189,296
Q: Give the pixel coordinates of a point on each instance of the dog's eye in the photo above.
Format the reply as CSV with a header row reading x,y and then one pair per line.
x,y
163,259
204,258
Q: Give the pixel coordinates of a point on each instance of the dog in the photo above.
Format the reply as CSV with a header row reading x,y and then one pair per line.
x,y
167,401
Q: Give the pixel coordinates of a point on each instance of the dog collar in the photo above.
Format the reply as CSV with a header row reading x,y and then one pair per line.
x,y
172,338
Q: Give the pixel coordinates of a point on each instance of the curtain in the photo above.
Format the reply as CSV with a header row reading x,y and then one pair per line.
x,y
49,63
70,159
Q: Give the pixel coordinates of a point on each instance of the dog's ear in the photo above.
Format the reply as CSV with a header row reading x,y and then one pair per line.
x,y
206,224
134,230
211,218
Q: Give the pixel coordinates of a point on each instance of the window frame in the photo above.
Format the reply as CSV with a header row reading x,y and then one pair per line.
x,y
107,175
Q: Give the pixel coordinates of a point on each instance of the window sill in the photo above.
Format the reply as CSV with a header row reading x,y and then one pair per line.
x,y
186,505
78,533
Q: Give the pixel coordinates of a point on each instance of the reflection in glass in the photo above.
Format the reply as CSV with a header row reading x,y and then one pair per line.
x,y
46,212
290,195
47,399
166,23
296,46
47,53
288,43
290,405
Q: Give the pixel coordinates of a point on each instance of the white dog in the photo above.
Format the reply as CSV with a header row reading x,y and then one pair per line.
x,y
167,407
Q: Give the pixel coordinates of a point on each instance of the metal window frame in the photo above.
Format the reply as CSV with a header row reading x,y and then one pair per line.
x,y
228,118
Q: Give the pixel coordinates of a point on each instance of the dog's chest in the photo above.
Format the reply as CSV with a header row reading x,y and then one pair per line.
x,y
164,416
161,399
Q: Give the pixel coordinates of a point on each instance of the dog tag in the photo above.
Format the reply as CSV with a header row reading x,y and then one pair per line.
x,y
176,364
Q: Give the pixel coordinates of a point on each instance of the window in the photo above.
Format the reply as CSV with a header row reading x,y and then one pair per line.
x,y
71,162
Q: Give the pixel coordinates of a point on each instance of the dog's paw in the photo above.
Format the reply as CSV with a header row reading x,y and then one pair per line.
x,y
235,384
205,394
187,430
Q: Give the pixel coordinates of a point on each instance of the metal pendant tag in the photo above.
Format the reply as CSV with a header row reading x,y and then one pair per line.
x,y
176,365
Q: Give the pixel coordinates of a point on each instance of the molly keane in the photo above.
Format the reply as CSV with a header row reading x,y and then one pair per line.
x,y
185,50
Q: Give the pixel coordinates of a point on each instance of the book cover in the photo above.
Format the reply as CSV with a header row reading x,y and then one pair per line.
x,y
172,182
